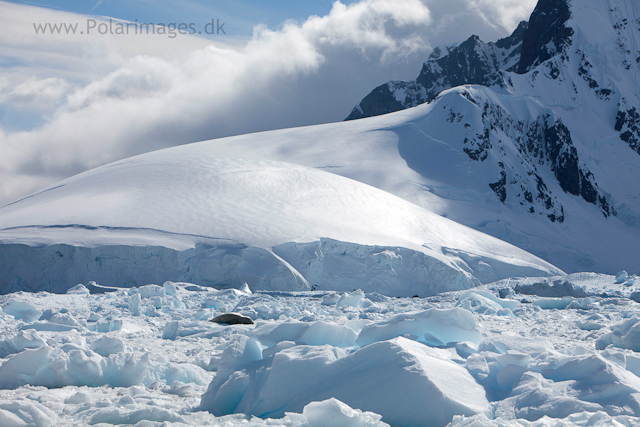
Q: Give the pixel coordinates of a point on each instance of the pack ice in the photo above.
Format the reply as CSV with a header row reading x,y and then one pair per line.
x,y
520,352
221,222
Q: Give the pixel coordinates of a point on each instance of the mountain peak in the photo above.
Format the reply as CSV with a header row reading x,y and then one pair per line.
x,y
546,34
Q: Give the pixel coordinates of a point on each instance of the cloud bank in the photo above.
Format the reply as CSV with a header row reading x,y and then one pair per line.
x,y
88,101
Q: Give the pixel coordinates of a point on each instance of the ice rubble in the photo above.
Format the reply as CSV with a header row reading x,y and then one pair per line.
x,y
433,327
388,377
76,365
164,362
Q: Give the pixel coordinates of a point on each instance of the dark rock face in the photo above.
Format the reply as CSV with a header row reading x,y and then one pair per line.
x,y
628,125
382,100
476,62
471,62
544,145
546,35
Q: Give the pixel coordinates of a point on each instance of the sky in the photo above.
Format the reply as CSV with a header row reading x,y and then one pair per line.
x,y
84,95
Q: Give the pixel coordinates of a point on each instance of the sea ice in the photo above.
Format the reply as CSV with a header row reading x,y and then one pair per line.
x,y
21,310
107,345
334,413
79,289
621,277
25,413
400,379
434,326
135,305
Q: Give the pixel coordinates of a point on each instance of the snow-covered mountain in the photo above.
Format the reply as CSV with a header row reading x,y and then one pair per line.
x,y
545,154
470,62
186,215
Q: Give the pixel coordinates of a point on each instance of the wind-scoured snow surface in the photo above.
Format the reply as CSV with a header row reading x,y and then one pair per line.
x,y
188,215
558,351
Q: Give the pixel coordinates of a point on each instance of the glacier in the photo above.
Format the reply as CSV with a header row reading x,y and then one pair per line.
x,y
222,222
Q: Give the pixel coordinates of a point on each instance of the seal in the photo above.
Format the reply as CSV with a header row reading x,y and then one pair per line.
x,y
232,319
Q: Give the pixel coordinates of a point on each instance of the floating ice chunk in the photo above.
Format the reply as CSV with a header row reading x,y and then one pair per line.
x,y
79,289
579,419
47,367
582,304
334,413
25,413
268,352
245,289
170,289
466,349
48,314
27,339
478,303
503,303
406,382
271,333
21,310
553,303
353,299
320,333
181,389
78,398
213,302
107,345
621,277
535,397
316,333
94,317
23,340
125,416
109,325
203,314
623,335
240,351
150,291
556,289
508,376
505,343
631,339
357,324
50,326
477,366
228,386
65,319
589,325
434,326
135,305
170,331
330,299
600,381
507,293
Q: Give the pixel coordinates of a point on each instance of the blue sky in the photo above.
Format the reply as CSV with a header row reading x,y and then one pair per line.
x,y
239,16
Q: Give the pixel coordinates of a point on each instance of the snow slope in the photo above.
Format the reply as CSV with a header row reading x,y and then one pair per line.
x,y
186,214
547,159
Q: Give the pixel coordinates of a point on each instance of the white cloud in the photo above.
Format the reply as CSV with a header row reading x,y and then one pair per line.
x,y
504,13
128,102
